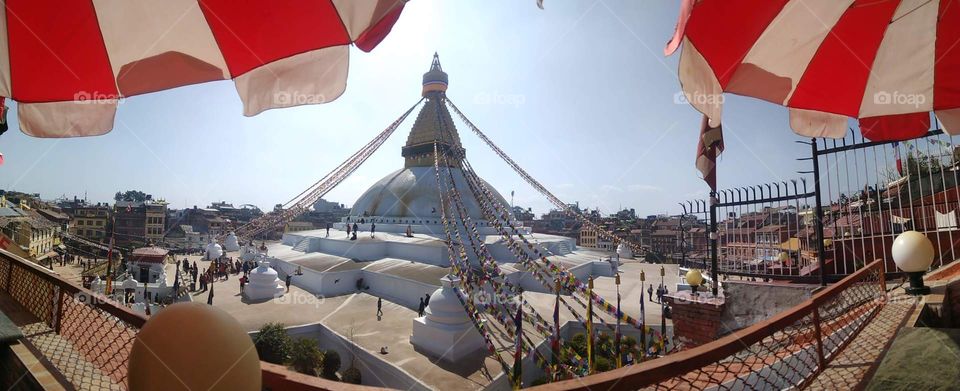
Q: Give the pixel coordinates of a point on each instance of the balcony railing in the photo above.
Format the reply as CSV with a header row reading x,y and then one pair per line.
x,y
786,351
88,338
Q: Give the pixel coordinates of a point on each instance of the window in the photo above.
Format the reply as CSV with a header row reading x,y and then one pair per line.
x,y
99,223
80,222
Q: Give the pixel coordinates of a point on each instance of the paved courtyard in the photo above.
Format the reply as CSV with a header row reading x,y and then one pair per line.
x,y
355,315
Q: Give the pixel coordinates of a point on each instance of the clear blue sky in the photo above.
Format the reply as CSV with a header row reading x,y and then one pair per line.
x,y
579,94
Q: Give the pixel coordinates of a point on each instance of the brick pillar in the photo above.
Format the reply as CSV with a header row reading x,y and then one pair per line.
x,y
696,319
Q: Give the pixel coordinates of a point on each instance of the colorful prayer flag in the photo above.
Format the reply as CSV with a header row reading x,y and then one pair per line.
x,y
896,155
518,353
590,363
709,148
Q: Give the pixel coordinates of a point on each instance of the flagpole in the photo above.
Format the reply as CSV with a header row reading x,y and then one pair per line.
x,y
108,289
616,339
643,321
518,354
590,363
663,318
555,347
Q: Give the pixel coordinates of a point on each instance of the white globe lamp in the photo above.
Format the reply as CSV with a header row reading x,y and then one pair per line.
x,y
913,253
694,279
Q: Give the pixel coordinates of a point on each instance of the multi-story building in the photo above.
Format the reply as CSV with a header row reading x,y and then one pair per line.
x,y
156,215
90,221
140,223
33,233
588,237
129,222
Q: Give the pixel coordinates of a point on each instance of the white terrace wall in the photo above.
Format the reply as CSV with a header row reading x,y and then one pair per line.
x,y
393,288
373,370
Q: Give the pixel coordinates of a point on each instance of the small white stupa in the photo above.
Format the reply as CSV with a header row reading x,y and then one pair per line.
x,y
446,331
231,243
264,283
213,251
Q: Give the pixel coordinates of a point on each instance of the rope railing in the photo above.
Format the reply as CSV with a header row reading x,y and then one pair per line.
x,y
786,351
602,232
302,202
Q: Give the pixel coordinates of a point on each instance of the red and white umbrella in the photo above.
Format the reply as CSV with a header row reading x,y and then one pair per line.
x,y
888,63
67,62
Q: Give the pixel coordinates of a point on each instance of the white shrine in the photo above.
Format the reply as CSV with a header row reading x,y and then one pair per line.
x,y
446,331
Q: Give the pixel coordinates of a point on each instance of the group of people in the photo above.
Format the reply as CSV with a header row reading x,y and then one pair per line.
x,y
356,228
661,292
424,302
220,269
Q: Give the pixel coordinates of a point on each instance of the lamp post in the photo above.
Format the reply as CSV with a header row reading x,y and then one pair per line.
x,y
643,319
694,279
663,314
913,253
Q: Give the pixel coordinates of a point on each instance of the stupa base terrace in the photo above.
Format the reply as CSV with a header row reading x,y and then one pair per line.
x,y
403,269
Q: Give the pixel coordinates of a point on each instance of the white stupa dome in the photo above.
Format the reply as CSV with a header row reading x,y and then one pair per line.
x,y
445,307
232,243
214,250
411,192
129,283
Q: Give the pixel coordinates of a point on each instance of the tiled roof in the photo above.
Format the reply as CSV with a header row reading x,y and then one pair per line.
x,y
152,251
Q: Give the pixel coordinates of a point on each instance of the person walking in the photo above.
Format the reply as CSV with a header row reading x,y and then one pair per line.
x,y
650,293
373,228
379,308
355,229
243,282
426,301
348,230
288,282
328,229
420,308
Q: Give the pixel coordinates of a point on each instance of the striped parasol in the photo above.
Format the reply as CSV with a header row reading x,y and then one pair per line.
x,y
68,62
886,63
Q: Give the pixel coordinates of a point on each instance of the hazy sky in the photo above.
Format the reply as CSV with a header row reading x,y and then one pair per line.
x,y
578,94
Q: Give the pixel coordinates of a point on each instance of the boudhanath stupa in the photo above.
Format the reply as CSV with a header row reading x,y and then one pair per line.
x,y
402,268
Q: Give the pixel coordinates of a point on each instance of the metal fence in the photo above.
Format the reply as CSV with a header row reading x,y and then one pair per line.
x,y
873,191
863,195
784,352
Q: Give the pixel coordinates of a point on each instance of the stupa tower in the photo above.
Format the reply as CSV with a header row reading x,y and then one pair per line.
x,y
434,124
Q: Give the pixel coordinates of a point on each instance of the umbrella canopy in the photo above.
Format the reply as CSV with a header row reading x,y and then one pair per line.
x,y
67,62
888,63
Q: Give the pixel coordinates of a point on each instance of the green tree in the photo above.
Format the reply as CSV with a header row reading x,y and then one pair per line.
x,y
305,356
331,364
351,375
579,344
132,195
272,343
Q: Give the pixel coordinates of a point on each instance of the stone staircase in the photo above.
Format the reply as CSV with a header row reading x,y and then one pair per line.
x,y
563,248
302,245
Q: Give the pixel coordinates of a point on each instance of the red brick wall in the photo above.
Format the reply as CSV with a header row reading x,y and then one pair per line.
x,y
696,319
